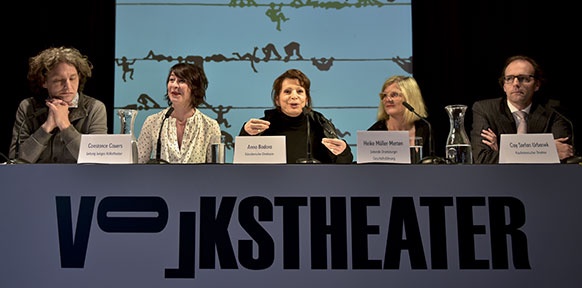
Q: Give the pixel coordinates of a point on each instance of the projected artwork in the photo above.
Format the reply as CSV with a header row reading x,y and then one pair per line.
x,y
347,49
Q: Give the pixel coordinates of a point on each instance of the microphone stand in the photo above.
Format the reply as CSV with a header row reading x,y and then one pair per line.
x,y
8,160
16,159
431,159
158,159
574,159
309,159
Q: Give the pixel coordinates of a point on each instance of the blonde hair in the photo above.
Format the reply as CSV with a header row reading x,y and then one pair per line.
x,y
412,95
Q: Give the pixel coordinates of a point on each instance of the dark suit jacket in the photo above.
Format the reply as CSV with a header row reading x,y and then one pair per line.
x,y
495,114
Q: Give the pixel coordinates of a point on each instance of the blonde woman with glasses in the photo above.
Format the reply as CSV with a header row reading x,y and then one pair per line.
x,y
393,115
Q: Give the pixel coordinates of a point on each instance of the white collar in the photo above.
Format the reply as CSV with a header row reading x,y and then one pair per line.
x,y
75,102
513,108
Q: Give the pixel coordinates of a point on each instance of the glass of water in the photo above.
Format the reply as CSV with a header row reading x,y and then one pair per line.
x,y
415,149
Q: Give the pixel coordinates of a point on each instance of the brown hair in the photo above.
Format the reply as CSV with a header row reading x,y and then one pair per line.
x,y
48,59
291,74
538,73
195,78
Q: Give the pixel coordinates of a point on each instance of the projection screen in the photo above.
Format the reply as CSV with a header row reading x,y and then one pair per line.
x,y
346,48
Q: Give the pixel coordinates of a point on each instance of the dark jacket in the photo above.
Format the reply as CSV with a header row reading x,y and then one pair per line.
x,y
421,129
295,130
495,114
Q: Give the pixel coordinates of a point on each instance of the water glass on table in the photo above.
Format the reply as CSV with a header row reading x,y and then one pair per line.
x,y
415,149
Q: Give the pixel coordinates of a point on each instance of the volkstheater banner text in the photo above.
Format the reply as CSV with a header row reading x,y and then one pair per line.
x,y
290,226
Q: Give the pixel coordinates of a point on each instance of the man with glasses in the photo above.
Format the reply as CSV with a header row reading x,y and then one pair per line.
x,y
517,112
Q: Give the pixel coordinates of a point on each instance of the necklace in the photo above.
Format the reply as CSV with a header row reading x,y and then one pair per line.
x,y
187,115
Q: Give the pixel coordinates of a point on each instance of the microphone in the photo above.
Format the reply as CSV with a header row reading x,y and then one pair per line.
x,y
574,159
158,159
431,159
16,159
309,159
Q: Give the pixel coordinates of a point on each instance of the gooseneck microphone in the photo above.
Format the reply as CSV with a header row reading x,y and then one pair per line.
x,y
431,159
574,159
309,159
16,159
158,159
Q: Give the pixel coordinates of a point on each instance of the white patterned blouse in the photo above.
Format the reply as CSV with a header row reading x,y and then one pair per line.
x,y
199,133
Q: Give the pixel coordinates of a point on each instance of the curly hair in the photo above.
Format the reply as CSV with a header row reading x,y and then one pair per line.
x,y
48,59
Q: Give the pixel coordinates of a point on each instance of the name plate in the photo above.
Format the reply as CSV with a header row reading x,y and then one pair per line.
x,y
383,147
260,150
106,149
528,148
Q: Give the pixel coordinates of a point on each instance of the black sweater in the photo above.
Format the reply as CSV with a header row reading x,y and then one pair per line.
x,y
295,131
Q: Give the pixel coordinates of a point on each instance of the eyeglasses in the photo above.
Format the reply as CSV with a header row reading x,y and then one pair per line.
x,y
393,95
520,78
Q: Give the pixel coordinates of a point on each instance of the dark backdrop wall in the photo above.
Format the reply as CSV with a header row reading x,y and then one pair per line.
x,y
86,25
459,48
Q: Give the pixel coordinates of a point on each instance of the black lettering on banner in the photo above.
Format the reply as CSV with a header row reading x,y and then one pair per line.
x,y
328,231
265,243
438,229
74,251
337,231
291,247
214,233
132,224
403,221
186,248
500,231
466,230
360,232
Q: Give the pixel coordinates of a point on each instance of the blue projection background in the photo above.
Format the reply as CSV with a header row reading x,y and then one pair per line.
x,y
347,49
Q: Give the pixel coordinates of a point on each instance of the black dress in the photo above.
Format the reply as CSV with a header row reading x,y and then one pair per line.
x,y
420,127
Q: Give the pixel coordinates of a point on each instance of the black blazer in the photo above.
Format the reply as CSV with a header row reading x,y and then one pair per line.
x,y
421,129
495,114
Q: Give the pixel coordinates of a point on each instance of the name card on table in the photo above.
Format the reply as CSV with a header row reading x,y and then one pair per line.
x,y
383,147
259,150
528,148
105,149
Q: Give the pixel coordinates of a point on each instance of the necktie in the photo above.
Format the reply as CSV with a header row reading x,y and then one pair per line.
x,y
522,119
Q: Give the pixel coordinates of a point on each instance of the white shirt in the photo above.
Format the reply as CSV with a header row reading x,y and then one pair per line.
x,y
199,132
513,109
